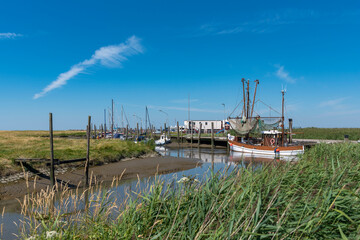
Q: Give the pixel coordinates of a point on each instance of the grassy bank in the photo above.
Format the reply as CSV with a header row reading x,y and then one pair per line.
x,y
327,133
35,144
317,198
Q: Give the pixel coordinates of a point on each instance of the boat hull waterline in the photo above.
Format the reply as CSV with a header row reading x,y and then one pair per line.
x,y
266,150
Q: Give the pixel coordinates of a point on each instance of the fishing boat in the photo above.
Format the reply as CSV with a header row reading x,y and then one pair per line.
x,y
261,135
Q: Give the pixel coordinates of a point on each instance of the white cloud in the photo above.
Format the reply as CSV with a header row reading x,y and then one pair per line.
x,y
284,75
10,35
109,56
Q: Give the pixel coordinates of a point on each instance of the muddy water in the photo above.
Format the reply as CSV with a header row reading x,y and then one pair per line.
x,y
217,160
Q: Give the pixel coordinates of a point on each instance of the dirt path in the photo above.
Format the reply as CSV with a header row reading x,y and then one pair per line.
x,y
142,167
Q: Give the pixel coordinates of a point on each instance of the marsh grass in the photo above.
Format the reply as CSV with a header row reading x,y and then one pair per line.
x,y
316,198
33,144
327,133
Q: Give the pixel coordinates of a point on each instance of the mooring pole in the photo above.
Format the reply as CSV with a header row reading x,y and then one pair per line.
x,y
191,132
199,135
290,130
95,131
127,132
212,135
178,132
137,131
88,153
52,166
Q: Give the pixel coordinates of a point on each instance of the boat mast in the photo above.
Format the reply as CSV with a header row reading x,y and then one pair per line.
x,y
282,119
248,98
252,108
112,117
243,82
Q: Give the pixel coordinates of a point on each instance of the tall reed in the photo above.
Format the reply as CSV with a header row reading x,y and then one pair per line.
x,y
316,198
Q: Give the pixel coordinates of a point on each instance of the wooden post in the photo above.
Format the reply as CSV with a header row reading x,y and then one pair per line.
x,y
212,135
191,134
102,130
199,135
95,131
178,132
137,131
161,131
52,171
127,132
227,146
290,130
165,129
88,153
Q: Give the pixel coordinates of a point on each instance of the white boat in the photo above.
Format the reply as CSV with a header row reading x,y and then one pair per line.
x,y
163,140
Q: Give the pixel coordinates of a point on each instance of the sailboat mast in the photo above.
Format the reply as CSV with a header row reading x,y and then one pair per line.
x,y
243,82
282,119
112,117
105,122
146,113
252,108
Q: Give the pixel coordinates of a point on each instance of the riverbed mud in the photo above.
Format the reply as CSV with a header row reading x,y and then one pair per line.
x,y
127,168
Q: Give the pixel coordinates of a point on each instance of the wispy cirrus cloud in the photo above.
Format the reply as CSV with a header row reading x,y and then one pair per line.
x,y
333,103
269,21
10,35
184,100
284,75
109,56
185,109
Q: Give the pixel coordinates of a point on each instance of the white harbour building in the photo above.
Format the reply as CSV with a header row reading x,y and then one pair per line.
x,y
205,125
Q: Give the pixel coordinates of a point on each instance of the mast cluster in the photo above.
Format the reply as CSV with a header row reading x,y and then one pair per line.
x,y
246,109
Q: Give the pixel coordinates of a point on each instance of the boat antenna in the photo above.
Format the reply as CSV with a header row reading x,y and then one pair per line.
x,y
252,108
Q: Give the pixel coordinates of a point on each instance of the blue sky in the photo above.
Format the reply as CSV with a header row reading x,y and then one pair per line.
x,y
72,57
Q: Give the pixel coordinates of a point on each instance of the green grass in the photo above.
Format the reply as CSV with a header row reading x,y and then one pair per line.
x,y
33,144
327,133
316,198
